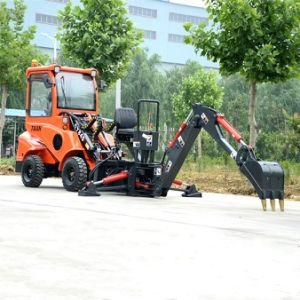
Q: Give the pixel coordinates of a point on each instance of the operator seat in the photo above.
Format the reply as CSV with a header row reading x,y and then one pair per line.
x,y
125,120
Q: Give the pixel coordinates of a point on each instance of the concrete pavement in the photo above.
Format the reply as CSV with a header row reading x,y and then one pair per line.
x,y
56,245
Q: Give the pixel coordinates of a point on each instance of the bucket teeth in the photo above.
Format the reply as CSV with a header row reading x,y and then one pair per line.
x,y
264,204
281,204
272,201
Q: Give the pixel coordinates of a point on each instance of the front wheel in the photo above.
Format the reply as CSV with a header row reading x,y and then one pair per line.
x,y
74,174
33,171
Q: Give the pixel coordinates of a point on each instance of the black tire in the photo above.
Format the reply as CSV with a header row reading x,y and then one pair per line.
x,y
74,174
33,171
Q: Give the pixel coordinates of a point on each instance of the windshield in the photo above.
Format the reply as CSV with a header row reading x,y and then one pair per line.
x,y
76,91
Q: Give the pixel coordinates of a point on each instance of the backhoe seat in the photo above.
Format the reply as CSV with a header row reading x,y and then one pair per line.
x,y
125,120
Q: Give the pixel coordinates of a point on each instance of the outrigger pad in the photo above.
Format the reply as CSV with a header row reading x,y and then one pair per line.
x,y
191,191
90,190
266,177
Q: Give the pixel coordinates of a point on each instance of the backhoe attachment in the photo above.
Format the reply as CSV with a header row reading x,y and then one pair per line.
x,y
144,176
266,177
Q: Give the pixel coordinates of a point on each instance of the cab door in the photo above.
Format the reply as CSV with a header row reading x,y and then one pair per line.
x,y
40,96
39,112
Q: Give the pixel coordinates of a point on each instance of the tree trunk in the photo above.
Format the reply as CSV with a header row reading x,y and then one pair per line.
x,y
251,114
2,114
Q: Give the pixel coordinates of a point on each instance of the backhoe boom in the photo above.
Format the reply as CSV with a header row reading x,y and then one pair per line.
x,y
266,177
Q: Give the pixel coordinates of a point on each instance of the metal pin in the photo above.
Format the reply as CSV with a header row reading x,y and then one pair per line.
x,y
272,201
264,204
281,204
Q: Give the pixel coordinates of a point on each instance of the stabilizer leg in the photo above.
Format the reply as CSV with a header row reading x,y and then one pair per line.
x,y
89,190
191,191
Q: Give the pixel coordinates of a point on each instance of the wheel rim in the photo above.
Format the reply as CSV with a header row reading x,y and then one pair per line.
x,y
71,174
28,173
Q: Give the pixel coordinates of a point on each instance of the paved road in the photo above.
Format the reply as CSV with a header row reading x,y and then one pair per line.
x,y
56,245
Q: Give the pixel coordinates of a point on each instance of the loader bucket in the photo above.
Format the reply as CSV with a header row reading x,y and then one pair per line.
x,y
266,177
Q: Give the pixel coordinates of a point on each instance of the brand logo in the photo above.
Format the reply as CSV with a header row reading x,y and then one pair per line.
x,y
36,128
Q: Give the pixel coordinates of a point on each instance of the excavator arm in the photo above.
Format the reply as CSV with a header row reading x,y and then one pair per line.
x,y
266,177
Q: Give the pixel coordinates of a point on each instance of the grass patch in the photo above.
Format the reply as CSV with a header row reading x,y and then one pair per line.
x,y
8,161
7,166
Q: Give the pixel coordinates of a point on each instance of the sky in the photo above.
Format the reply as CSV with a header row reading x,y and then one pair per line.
x,y
190,2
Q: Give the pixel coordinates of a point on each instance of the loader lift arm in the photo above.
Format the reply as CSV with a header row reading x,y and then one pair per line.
x,y
266,177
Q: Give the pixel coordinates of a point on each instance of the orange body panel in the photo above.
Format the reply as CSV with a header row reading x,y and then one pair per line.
x,y
31,145
39,139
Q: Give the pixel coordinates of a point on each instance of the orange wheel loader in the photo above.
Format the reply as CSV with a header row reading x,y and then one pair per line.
x,y
66,136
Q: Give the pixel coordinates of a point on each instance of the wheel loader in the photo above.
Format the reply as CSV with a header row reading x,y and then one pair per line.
x,y
66,136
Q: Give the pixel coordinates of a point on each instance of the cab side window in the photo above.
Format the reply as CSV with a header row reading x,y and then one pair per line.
x,y
40,95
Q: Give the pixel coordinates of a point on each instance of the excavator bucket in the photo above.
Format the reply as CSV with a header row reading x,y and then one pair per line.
x,y
266,177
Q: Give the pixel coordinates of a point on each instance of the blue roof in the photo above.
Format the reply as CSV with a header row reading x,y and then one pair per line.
x,y
11,112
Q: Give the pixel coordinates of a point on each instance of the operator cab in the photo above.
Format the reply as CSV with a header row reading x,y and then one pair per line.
x,y
54,89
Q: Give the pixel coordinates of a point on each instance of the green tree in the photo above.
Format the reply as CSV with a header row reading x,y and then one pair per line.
x,y
278,103
143,80
275,101
202,87
98,34
171,86
282,145
16,52
260,39
234,106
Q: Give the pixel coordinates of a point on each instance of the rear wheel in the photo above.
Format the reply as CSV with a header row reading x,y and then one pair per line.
x,y
74,174
33,171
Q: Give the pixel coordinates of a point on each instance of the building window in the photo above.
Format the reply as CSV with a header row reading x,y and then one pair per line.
x,y
176,38
149,34
143,12
59,1
186,18
46,19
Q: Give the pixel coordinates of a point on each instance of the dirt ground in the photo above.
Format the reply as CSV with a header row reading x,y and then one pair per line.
x,y
217,180
222,180
7,170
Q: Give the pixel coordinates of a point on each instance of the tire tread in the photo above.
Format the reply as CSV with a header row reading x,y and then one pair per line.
x,y
82,177
38,174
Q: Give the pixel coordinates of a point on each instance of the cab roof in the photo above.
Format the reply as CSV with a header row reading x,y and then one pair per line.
x,y
53,67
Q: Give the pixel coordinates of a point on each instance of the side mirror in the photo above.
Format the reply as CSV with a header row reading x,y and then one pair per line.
x,y
102,85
